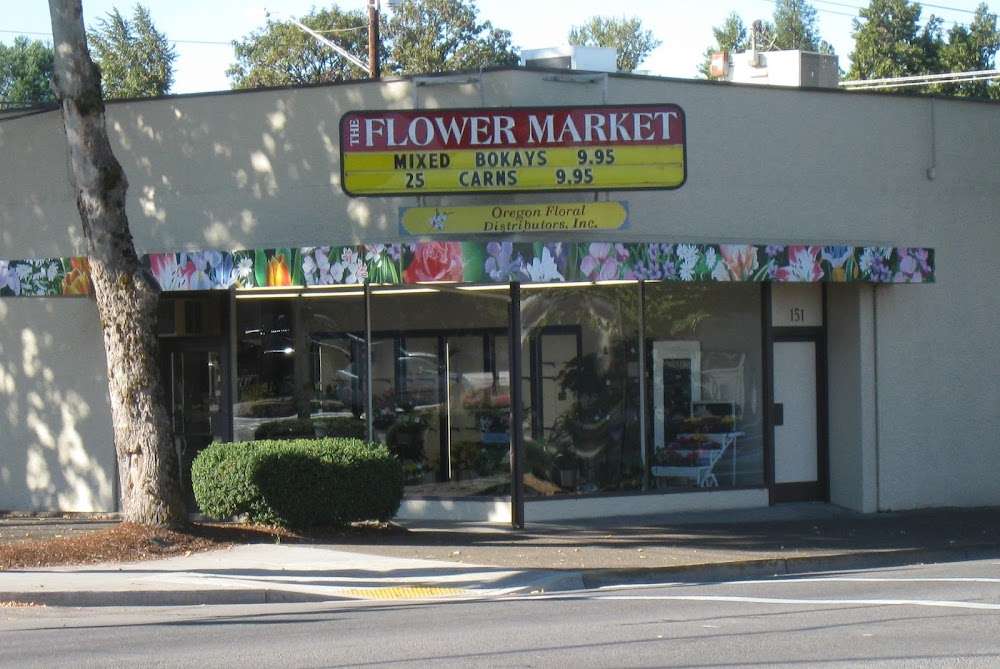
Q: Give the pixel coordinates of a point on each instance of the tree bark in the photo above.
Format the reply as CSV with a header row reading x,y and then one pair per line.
x,y
126,296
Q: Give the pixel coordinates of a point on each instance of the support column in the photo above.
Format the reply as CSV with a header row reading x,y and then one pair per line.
x,y
516,412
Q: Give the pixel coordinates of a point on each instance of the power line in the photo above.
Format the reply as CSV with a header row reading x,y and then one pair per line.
x,y
922,4
921,80
858,8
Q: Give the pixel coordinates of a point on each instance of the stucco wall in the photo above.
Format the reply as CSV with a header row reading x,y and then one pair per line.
x,y
851,385
261,169
56,445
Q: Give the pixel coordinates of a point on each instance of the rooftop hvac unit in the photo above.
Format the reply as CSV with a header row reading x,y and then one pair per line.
x,y
592,58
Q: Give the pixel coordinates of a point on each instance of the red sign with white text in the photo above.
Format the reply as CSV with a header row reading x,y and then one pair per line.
x,y
416,152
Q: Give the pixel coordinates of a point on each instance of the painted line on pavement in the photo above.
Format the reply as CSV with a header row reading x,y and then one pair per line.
x,y
783,600
856,579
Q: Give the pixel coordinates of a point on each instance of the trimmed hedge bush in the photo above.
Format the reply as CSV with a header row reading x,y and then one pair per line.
x,y
298,483
341,426
307,428
288,428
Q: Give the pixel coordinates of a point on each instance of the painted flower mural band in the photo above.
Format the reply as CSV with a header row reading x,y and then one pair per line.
x,y
77,279
9,280
495,260
502,264
604,261
740,261
316,266
803,265
914,266
382,263
278,271
544,268
37,277
874,263
435,261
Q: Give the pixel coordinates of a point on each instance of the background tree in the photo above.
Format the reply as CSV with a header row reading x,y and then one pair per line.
x,y
136,60
889,42
731,36
795,27
970,48
282,54
126,297
442,36
25,72
625,34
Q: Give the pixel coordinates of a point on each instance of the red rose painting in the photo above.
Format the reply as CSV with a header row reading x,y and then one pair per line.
x,y
435,261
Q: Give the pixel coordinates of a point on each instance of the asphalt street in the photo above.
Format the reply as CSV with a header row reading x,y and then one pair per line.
x,y
943,615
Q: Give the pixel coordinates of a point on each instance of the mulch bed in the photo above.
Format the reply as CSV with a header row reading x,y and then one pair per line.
x,y
127,542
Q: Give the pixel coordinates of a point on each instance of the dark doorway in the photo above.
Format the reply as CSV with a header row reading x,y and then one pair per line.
x,y
194,366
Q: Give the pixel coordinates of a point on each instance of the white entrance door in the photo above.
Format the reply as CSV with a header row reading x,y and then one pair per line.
x,y
796,452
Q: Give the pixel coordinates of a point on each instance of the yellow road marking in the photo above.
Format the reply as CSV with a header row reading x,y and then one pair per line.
x,y
403,592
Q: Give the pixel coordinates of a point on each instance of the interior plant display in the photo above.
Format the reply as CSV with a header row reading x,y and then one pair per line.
x,y
405,437
340,426
603,417
491,411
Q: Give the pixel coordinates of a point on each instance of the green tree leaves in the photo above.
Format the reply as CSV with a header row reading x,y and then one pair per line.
x,y
730,36
25,72
428,36
418,37
890,42
136,60
795,27
282,54
626,35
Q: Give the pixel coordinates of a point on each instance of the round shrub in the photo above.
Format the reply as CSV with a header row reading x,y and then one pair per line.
x,y
289,428
340,426
298,483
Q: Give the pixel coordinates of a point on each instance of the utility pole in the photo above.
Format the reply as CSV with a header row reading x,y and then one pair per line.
x,y
374,66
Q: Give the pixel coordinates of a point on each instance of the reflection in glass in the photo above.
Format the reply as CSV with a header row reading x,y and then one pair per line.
x,y
265,364
441,389
704,342
580,370
334,383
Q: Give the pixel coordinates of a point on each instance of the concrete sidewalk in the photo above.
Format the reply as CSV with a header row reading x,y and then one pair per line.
x,y
267,573
487,561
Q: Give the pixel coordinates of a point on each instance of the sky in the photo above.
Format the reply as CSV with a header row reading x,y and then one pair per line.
x,y
203,29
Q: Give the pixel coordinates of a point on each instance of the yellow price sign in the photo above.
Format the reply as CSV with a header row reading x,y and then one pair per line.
x,y
513,150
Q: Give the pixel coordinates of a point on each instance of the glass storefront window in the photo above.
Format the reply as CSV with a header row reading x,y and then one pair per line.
x,y
703,348
441,389
265,363
333,327
580,380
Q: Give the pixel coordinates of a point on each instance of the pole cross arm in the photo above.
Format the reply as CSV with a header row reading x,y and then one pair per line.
x,y
354,60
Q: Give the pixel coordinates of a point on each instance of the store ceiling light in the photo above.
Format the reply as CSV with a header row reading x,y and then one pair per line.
x,y
335,293
263,289
558,284
264,296
400,291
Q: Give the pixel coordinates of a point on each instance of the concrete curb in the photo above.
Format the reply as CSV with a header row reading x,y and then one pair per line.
x,y
753,569
95,598
548,581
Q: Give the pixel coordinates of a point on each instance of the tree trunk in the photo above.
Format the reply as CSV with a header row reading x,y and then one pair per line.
x,y
126,296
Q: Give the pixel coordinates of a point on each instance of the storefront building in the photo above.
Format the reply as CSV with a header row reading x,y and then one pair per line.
x,y
553,295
